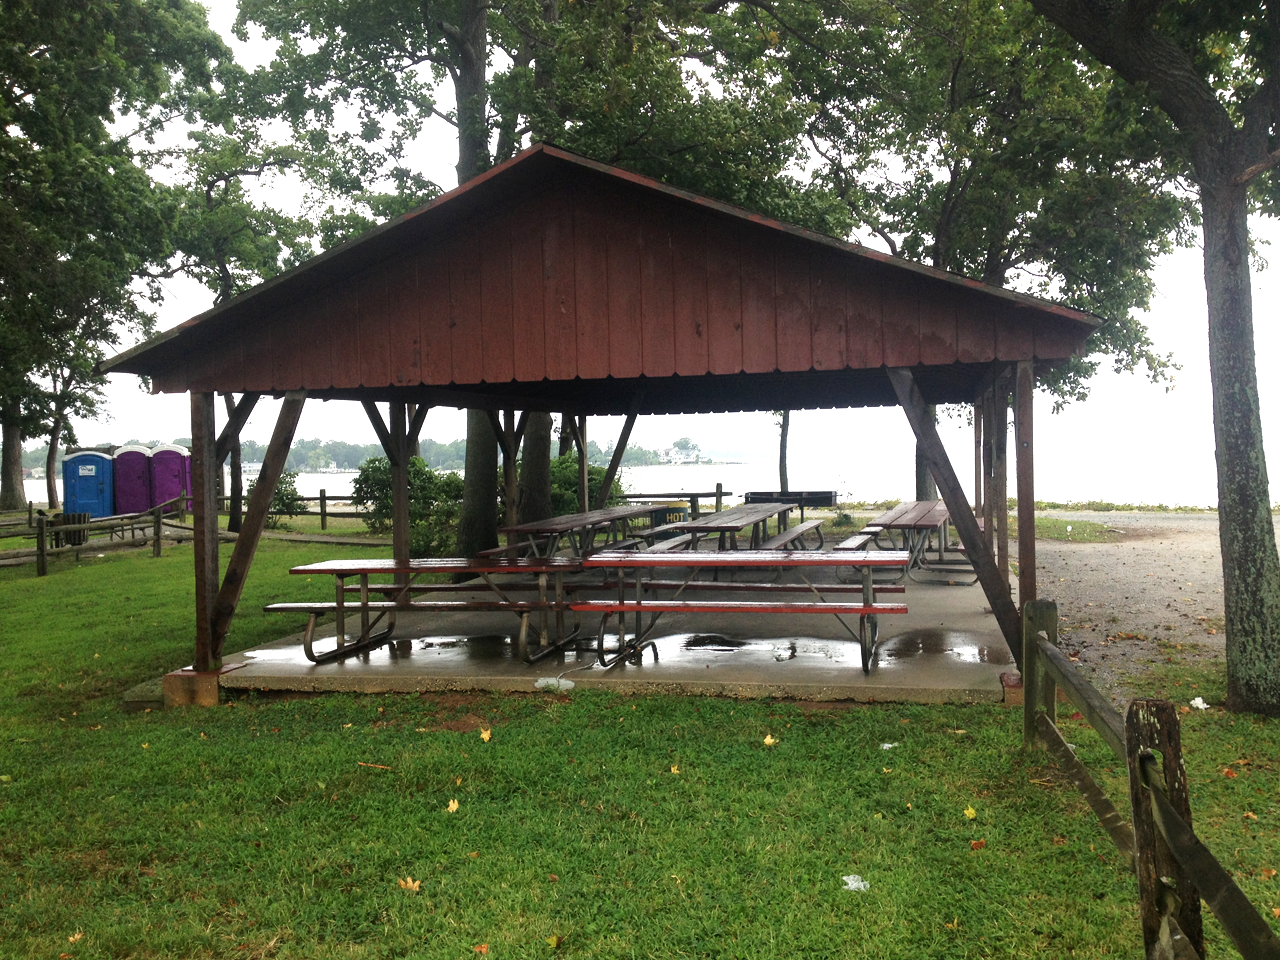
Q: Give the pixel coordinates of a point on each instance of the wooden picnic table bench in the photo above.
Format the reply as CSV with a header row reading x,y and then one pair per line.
x,y
868,610
404,589
792,538
918,522
727,523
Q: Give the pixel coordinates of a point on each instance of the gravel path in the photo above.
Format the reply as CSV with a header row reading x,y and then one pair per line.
x,y
1155,594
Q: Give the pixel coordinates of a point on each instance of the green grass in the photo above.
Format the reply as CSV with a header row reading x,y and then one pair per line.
x,y
252,830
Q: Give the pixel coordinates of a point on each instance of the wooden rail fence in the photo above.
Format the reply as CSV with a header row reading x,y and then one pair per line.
x,y
1175,870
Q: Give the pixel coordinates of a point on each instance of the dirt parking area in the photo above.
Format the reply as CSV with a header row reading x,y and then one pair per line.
x,y
1152,596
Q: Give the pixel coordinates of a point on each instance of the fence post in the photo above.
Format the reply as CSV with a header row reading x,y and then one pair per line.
x,y
1039,691
31,509
694,512
324,511
1153,726
719,497
42,559
155,543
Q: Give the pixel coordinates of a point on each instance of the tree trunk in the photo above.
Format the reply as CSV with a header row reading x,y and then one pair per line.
x,y
235,509
534,502
478,524
784,486
1250,566
12,495
470,87
926,489
51,463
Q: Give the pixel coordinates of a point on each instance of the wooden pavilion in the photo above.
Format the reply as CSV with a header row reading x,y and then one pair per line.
x,y
554,283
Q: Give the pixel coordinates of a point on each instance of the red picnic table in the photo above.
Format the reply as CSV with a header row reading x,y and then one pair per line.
x,y
868,610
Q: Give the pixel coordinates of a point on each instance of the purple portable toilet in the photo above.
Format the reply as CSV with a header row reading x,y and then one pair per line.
x,y
170,473
133,479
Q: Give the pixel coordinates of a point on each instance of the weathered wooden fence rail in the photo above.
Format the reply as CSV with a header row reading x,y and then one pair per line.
x,y
1175,870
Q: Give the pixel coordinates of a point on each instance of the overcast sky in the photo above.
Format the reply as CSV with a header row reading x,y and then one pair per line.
x,y
1132,441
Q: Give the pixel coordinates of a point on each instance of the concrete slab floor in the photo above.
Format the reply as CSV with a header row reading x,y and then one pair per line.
x,y
946,649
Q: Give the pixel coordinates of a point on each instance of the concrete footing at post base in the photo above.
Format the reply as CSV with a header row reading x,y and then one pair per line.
x,y
194,688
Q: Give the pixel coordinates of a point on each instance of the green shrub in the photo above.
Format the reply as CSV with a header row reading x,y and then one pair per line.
x,y
286,501
435,501
564,485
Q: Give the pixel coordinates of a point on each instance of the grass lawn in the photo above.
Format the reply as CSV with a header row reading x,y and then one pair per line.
x,y
630,827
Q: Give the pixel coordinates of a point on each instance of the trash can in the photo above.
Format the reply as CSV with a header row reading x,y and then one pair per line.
x,y
674,512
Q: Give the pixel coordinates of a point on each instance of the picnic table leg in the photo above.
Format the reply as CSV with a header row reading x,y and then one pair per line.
x,y
364,606
542,614
340,613
869,625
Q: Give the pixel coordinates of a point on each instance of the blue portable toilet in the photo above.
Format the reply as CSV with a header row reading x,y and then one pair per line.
x,y
87,485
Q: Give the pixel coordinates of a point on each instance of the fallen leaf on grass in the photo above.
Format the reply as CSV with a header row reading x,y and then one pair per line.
x,y
1077,716
675,768
64,956
410,884
486,733
458,781
1268,873
1059,841
887,769
1251,815
346,726
953,925
473,854
1184,709
5,778
1229,773
554,942
146,746
970,813
453,806
769,740
376,766
1275,911
482,948
75,937
977,844
553,878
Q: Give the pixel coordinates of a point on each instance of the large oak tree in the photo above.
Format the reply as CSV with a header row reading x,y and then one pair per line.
x,y
1214,70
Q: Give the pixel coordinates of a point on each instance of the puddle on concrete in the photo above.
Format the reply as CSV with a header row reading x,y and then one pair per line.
x,y
965,647
712,641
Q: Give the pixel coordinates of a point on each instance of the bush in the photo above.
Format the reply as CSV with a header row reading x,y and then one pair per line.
x,y
564,485
435,501
286,501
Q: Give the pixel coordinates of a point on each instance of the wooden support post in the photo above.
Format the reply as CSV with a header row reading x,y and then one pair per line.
x,y
578,426
324,510
1000,477
417,416
1024,452
42,546
399,488
204,521
719,497
31,510
616,460
962,518
156,530
694,512
255,518
237,416
988,469
1152,725
977,458
1039,691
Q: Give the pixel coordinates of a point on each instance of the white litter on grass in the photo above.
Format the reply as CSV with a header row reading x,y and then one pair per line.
x,y
553,683
1199,703
887,746
856,883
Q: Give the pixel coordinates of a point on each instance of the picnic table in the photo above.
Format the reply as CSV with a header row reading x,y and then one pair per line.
x,y
548,580
920,524
727,524
544,537
632,648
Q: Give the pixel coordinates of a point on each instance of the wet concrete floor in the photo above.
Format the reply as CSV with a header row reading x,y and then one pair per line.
x,y
946,649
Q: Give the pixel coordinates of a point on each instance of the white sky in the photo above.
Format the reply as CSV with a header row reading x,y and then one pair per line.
x,y
1130,442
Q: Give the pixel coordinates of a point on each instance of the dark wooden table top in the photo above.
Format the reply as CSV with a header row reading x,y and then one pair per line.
x,y
733,519
913,515
576,521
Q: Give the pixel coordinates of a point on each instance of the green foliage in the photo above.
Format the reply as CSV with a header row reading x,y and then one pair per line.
x,y
969,136
285,502
564,485
435,500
